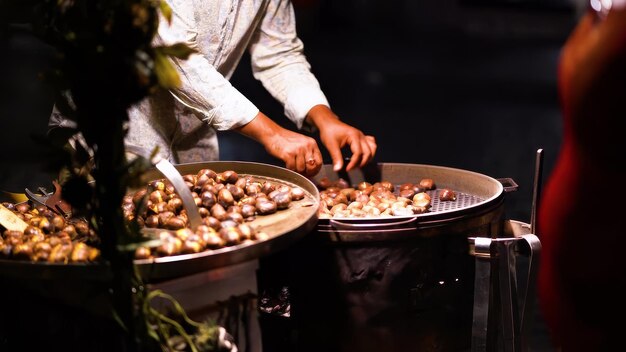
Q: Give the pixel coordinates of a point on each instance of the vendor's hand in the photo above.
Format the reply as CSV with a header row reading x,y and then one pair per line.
x,y
299,152
336,134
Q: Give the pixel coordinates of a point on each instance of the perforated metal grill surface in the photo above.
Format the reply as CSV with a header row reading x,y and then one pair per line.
x,y
462,201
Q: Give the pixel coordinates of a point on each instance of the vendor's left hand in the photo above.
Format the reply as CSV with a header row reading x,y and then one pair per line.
x,y
336,134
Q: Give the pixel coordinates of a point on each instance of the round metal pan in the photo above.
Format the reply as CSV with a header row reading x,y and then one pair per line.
x,y
283,228
480,200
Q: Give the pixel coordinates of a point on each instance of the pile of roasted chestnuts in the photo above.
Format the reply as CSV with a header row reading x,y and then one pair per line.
x,y
339,199
49,237
226,201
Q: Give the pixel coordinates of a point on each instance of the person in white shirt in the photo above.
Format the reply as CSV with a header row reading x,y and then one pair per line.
x,y
183,122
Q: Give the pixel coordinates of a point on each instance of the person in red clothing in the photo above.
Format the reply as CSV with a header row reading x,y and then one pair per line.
x,y
583,266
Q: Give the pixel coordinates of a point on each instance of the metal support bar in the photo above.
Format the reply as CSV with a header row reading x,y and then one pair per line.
x,y
508,295
482,284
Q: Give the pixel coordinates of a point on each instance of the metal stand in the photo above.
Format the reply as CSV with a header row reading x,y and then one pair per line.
x,y
513,313
496,261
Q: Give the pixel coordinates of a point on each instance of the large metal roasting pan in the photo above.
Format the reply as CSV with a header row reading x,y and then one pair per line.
x,y
283,227
480,200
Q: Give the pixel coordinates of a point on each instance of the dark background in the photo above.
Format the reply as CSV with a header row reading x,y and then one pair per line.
x,y
465,84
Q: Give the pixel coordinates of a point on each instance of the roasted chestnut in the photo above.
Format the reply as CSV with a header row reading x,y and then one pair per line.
x,y
427,184
82,228
297,193
60,253
234,216
208,199
80,253
22,207
230,235
422,199
212,222
218,212
246,232
236,191
204,212
253,188
225,198
447,195
164,216
282,200
192,247
157,185
152,221
213,241
407,193
248,210
189,178
228,176
268,187
174,223
242,182
265,207
175,204
143,253
208,172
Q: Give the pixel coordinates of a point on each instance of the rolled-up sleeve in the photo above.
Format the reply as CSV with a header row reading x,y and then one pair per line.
x,y
203,89
278,61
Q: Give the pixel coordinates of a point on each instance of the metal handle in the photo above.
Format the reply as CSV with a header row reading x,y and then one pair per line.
x,y
508,183
169,171
347,225
536,190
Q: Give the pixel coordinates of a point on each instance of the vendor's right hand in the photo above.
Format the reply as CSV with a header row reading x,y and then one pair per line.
x,y
299,152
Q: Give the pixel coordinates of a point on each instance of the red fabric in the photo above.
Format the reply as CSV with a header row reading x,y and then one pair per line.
x,y
582,276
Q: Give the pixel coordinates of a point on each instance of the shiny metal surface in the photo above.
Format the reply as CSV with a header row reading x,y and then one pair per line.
x,y
171,173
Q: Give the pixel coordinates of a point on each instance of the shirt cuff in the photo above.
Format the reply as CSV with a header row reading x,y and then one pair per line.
x,y
299,102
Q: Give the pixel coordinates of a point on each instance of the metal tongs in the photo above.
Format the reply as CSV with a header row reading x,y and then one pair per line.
x,y
52,200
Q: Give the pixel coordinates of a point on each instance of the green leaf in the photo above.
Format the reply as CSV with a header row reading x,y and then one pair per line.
x,y
165,71
178,50
119,320
166,10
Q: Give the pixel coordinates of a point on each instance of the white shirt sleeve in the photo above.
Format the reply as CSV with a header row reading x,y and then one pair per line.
x,y
206,91
279,63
